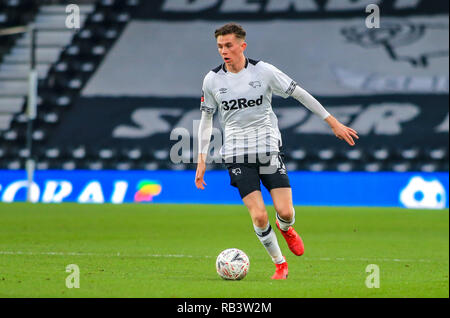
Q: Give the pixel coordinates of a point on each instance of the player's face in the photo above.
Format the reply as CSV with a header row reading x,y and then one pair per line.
x,y
231,49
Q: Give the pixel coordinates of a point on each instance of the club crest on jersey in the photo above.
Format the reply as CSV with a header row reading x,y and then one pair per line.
x,y
255,84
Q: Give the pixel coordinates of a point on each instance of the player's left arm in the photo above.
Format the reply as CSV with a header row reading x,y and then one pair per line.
x,y
341,131
284,86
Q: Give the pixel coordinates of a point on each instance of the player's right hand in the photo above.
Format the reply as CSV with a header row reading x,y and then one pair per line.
x,y
200,173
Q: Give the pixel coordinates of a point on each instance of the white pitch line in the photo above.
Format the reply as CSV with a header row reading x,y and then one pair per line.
x,y
118,254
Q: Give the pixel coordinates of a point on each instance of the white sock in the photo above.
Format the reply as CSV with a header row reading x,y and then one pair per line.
x,y
284,225
269,239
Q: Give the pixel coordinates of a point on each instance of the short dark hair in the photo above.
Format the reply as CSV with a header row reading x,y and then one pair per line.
x,y
231,28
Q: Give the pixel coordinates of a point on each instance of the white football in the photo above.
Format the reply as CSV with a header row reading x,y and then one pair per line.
x,y
232,264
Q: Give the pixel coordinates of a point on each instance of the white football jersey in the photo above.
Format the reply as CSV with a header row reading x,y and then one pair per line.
x,y
244,104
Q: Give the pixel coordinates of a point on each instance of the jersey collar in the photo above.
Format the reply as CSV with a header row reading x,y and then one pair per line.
x,y
225,69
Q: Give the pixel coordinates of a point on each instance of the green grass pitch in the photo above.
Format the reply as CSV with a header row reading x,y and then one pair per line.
x,y
167,251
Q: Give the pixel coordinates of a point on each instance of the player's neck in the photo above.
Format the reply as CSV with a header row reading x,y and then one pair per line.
x,y
237,67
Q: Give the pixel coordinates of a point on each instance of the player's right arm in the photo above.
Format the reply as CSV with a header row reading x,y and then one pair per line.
x,y
208,107
204,136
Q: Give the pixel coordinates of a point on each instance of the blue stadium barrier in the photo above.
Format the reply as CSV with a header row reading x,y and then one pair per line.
x,y
382,189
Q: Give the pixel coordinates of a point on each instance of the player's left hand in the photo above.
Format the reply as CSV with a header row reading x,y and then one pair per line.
x,y
341,131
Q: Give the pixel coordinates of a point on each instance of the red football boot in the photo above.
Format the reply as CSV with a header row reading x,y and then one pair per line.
x,y
293,240
281,271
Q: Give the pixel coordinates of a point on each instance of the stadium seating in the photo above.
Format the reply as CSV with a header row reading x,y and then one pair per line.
x,y
67,60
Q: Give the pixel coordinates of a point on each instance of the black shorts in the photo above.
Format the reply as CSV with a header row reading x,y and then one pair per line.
x,y
247,176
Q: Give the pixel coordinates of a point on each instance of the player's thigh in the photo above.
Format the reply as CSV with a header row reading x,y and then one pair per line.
x,y
274,174
245,178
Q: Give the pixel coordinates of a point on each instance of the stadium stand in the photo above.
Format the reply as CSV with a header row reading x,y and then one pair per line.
x,y
111,92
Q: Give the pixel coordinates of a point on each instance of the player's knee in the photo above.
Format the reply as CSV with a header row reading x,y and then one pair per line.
x,y
286,212
259,217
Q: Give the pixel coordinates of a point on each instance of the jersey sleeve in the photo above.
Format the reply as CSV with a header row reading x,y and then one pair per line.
x,y
208,102
281,84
